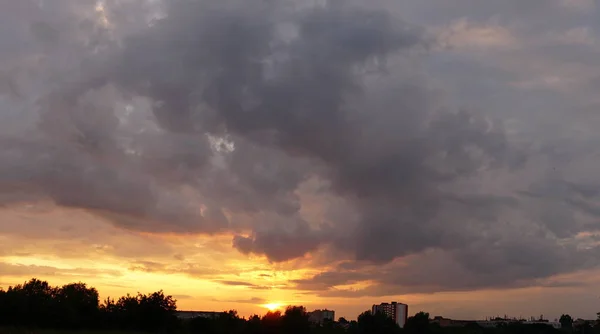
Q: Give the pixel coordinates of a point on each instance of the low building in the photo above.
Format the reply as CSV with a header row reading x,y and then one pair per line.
x,y
394,310
554,324
198,314
441,321
446,322
495,323
578,323
321,316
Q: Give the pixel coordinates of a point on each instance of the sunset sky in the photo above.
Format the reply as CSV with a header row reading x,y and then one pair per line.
x,y
240,154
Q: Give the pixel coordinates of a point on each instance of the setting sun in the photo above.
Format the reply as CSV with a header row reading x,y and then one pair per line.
x,y
272,306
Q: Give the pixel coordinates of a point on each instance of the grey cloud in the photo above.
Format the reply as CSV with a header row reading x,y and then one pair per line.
x,y
278,244
464,270
211,118
558,13
327,280
555,284
568,197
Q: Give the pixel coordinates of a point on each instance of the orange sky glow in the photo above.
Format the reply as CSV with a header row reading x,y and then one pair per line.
x,y
206,273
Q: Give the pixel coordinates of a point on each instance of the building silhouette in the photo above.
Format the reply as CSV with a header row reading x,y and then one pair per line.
x,y
394,310
321,316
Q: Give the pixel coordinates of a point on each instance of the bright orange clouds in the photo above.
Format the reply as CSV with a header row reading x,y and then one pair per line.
x,y
202,272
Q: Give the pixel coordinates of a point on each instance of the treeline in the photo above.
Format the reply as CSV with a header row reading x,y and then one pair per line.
x,y
295,320
37,305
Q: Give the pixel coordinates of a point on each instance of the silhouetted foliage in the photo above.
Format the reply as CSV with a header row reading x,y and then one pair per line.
x,y
418,324
253,325
295,320
271,323
566,321
585,328
226,323
527,329
75,306
378,323
36,304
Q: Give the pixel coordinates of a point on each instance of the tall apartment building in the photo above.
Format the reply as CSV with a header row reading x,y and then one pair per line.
x,y
394,310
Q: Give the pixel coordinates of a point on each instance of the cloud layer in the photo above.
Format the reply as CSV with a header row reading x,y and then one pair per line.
x,y
334,128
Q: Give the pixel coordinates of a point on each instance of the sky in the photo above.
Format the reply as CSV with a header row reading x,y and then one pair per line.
x,y
331,154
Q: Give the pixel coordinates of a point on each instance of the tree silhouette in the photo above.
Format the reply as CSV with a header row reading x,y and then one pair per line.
x,y
418,324
230,323
253,325
566,321
295,320
202,325
157,311
378,323
271,322
34,303
77,305
37,304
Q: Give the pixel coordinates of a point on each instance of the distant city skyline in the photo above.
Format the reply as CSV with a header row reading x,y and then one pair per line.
x,y
432,309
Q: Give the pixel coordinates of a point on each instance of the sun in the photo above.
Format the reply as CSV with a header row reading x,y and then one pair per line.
x,y
272,306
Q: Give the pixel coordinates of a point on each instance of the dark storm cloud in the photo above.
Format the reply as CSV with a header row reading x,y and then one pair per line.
x,y
279,245
209,116
472,268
